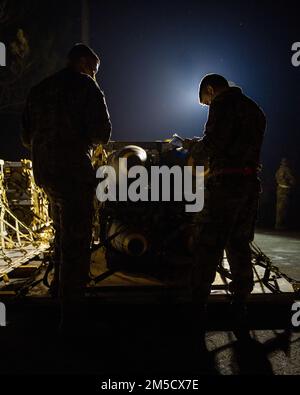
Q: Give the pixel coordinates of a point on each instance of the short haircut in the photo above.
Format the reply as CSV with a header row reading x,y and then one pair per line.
x,y
214,80
81,51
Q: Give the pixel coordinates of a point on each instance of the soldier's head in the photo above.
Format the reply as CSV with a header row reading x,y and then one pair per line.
x,y
83,59
284,162
210,87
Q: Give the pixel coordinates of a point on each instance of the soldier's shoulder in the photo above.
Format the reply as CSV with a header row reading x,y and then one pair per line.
x,y
62,77
46,83
88,84
227,99
253,107
87,80
251,102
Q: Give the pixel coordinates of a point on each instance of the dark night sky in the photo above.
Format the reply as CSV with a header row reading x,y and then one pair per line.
x,y
154,54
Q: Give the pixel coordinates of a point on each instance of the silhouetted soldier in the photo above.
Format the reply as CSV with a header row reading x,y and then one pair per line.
x,y
285,182
232,141
65,116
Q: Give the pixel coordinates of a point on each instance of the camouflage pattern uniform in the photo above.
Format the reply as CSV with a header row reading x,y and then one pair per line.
x,y
65,115
285,181
232,141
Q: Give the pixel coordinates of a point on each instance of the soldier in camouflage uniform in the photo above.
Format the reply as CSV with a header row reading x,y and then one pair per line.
x,y
285,182
232,142
65,116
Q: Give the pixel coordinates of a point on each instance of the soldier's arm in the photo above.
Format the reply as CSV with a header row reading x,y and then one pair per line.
x,y
216,134
290,178
26,127
97,117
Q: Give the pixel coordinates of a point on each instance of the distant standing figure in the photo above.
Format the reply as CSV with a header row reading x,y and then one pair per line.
x,y
285,182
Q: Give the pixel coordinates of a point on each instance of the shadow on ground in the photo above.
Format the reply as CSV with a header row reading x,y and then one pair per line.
x,y
157,341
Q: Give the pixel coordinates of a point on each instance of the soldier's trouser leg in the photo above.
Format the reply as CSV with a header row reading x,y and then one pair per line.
x,y
204,270
207,259
239,257
282,208
76,232
72,209
238,249
215,223
229,225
